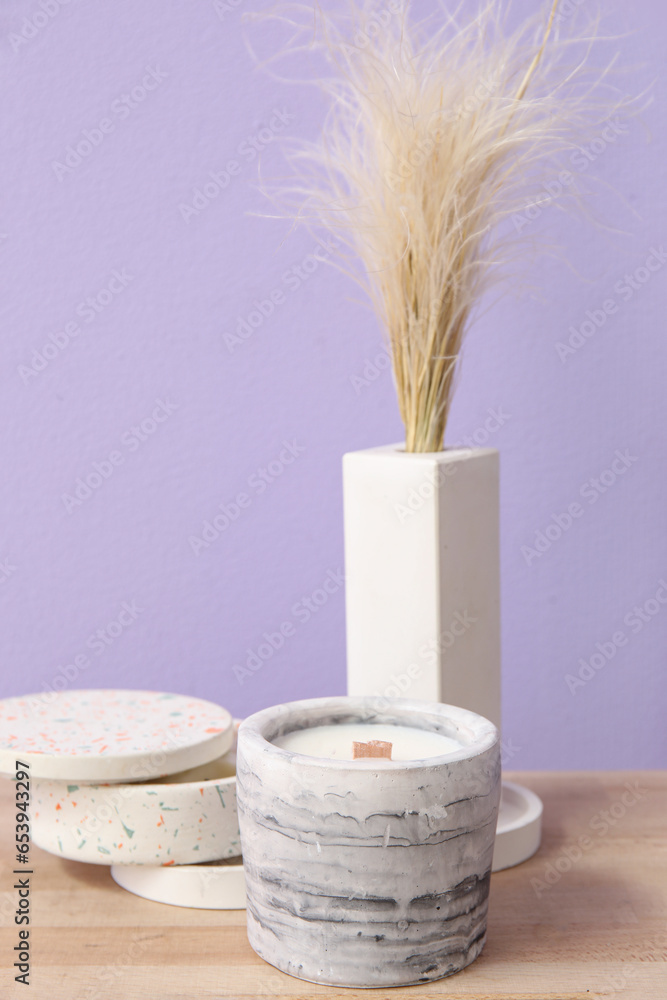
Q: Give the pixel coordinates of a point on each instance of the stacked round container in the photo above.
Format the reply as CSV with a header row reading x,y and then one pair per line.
x,y
132,778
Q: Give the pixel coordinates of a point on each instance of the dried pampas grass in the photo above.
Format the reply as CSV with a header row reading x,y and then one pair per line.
x,y
437,133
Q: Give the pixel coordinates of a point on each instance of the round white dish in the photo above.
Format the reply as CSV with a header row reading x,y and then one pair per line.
x,y
519,826
216,886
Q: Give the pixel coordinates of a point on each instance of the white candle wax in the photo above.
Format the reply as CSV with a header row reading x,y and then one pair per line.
x,y
336,742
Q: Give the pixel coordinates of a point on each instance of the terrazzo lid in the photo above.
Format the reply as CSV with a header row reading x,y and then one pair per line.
x,y
110,735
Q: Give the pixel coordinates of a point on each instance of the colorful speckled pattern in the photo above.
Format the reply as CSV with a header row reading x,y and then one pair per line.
x,y
140,824
111,735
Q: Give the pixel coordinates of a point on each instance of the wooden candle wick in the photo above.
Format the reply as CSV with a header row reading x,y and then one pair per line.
x,y
374,748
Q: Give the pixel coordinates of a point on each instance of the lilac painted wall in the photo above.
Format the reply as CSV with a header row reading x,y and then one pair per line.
x,y
146,373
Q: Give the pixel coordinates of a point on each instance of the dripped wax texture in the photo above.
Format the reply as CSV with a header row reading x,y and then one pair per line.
x,y
336,742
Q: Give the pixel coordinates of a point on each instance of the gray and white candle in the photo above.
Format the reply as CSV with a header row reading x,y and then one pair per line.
x,y
371,871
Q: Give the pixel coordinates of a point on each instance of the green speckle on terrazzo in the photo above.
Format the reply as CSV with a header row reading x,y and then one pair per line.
x,y
129,832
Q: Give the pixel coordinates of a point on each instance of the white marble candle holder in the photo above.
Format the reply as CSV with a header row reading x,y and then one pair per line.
x,y
367,873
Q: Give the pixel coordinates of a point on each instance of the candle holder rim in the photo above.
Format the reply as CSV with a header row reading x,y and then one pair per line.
x,y
252,729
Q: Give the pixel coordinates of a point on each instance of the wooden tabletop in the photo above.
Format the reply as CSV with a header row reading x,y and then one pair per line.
x,y
585,918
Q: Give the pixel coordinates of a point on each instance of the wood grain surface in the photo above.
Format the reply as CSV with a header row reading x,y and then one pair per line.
x,y
585,918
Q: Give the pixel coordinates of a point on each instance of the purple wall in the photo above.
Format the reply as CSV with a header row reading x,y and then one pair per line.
x,y
139,298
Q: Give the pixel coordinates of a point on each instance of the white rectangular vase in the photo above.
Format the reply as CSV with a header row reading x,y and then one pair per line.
x,y
423,576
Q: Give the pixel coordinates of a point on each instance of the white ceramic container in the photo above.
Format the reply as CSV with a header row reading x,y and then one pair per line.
x,y
364,873
422,568
422,571
178,820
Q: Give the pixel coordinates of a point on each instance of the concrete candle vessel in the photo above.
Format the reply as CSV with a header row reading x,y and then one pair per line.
x,y
367,873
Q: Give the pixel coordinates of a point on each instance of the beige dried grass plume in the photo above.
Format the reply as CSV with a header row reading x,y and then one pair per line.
x,y
437,133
